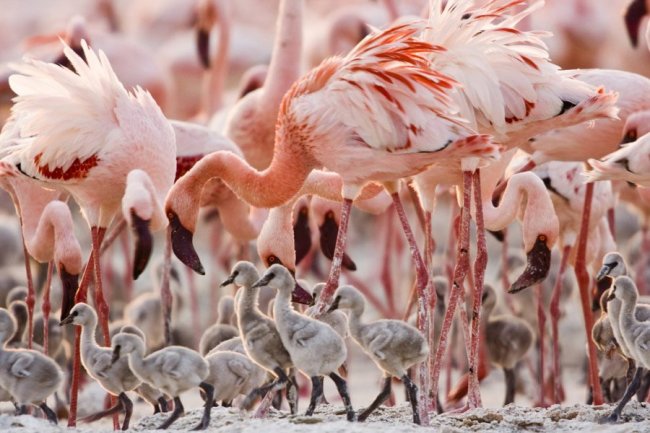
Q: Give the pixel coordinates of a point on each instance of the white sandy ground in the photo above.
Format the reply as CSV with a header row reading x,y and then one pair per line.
x,y
330,419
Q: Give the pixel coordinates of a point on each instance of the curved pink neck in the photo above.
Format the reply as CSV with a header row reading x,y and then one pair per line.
x,y
284,69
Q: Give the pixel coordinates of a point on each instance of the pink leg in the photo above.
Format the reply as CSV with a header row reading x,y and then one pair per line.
x,y
480,264
194,301
582,275
423,289
541,324
46,308
460,271
82,294
31,298
555,318
386,274
165,291
100,302
335,271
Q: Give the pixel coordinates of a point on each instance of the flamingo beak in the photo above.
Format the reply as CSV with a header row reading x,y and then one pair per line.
x,y
69,285
302,234
335,305
203,47
301,296
143,244
538,264
604,271
67,320
228,281
328,232
182,244
116,354
633,16
264,281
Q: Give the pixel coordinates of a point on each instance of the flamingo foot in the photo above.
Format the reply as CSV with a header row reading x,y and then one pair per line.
x,y
182,244
538,264
143,244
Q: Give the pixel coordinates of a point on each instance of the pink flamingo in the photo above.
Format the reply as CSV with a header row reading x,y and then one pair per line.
x,y
86,134
541,100
591,141
565,183
47,226
251,122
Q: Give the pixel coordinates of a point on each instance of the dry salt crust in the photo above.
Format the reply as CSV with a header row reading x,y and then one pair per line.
x,y
330,419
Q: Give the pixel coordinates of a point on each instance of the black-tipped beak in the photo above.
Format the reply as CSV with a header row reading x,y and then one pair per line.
x,y
69,285
611,296
116,354
182,244
203,47
633,16
67,320
302,234
301,296
143,244
604,271
538,264
498,235
328,233
335,304
264,281
228,281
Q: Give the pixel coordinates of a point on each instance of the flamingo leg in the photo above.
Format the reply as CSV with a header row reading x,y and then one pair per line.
x,y
480,264
460,271
423,290
541,324
555,318
194,302
165,291
100,302
81,296
31,298
582,275
337,260
46,307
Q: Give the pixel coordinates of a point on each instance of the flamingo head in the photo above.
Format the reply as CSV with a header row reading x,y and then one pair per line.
x,y
280,278
182,244
538,263
633,17
636,125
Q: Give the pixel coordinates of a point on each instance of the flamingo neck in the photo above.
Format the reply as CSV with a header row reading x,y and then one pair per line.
x,y
214,79
136,363
88,340
284,69
355,324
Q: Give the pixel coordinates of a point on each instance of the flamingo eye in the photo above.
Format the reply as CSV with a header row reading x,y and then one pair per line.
x,y
271,260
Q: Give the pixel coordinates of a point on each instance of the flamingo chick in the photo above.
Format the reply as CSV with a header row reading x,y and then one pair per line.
x,y
315,348
173,370
508,340
27,375
393,345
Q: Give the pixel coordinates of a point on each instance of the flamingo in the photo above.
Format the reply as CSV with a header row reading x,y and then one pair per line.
x,y
47,226
84,133
634,14
568,191
360,153
520,95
